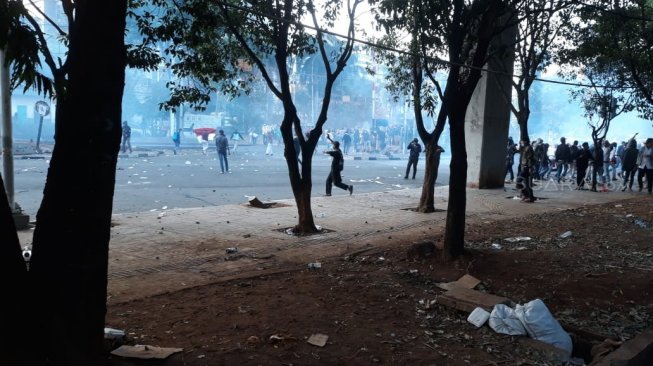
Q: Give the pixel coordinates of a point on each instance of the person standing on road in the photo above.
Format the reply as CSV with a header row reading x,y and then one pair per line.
x,y
563,157
646,166
415,149
176,139
337,165
526,167
126,137
222,145
629,165
346,141
510,159
583,159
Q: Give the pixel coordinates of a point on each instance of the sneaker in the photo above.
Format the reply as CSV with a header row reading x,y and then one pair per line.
x,y
413,177
640,189
327,195
623,188
406,177
351,190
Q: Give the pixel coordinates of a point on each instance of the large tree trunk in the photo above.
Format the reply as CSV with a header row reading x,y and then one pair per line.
x,y
13,284
300,183
454,239
71,240
427,199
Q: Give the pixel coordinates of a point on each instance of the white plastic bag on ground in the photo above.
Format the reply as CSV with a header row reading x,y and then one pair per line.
x,y
541,325
504,320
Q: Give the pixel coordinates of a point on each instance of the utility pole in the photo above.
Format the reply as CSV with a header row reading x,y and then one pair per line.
x,y
21,220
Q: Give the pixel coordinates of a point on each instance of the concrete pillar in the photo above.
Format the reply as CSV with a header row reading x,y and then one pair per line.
x,y
488,118
6,133
20,219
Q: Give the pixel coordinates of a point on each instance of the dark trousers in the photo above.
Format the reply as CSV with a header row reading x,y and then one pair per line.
x,y
509,170
641,173
224,163
580,175
334,179
526,181
629,177
126,144
413,162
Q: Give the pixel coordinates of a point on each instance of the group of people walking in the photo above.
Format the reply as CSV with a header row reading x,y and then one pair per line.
x,y
582,163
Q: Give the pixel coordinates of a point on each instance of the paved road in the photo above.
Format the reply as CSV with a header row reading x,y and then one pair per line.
x,y
192,179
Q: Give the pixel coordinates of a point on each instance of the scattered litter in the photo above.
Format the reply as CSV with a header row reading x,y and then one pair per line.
x,y
318,339
566,234
255,202
496,246
466,281
413,271
314,265
110,333
641,223
145,352
629,215
231,250
517,238
521,248
478,317
618,206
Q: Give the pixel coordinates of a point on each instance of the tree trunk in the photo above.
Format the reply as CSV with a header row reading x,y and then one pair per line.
x,y
454,239
13,284
301,184
71,240
427,199
523,129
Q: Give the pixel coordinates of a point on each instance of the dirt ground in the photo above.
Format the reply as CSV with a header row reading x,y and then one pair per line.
x,y
378,306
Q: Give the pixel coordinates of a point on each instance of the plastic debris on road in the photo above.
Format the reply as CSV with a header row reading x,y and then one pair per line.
x,y
566,234
517,238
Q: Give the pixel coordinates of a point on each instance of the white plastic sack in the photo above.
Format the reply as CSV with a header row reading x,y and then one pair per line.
x,y
541,325
504,320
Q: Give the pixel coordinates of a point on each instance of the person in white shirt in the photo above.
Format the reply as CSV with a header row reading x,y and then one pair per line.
x,y
645,167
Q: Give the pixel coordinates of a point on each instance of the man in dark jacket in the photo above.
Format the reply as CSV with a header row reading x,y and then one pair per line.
x,y
415,149
222,145
510,159
563,157
583,159
526,167
337,165
629,165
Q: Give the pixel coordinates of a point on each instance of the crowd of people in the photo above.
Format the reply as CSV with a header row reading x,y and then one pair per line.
x,y
580,164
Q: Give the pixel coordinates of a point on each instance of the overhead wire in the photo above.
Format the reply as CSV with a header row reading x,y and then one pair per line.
x,y
409,53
